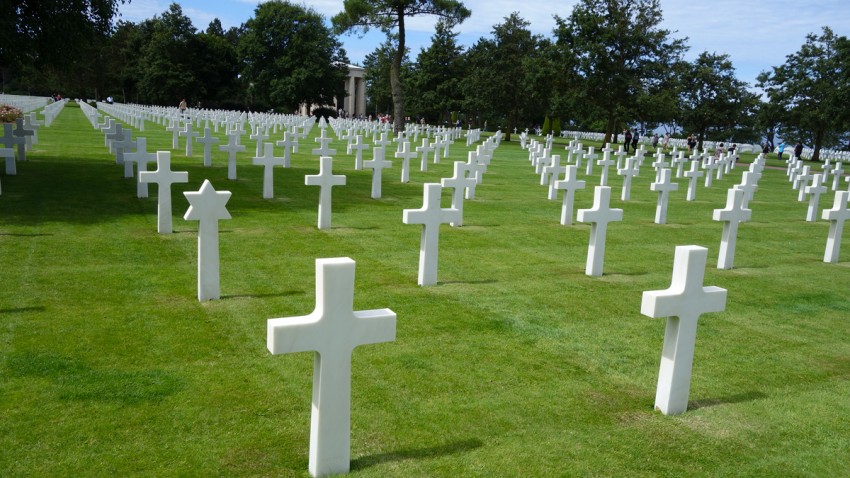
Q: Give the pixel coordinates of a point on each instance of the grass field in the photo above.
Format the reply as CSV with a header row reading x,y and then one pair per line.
x,y
515,364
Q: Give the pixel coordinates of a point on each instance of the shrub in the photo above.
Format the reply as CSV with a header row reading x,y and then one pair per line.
x,y
8,114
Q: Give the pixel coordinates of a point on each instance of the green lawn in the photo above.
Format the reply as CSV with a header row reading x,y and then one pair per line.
x,y
515,364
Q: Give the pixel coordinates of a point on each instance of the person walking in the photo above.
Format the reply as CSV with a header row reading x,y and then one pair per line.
x,y
781,149
798,150
627,134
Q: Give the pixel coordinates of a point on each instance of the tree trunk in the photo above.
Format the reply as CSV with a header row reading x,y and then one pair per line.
x,y
818,143
609,128
395,77
700,138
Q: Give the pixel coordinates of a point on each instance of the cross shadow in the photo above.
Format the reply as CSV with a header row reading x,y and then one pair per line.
x,y
738,398
471,282
412,454
262,296
39,308
23,235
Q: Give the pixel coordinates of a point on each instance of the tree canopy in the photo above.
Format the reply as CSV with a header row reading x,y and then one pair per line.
x,y
390,16
810,89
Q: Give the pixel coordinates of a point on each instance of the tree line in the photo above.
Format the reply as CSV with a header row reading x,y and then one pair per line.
x,y
608,65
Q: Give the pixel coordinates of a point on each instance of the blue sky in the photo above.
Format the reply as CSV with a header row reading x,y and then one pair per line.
x,y
757,34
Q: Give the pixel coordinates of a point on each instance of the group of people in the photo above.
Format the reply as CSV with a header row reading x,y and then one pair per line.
x,y
633,139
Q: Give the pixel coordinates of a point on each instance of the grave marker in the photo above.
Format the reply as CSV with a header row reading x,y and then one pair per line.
x,y
836,217
663,187
569,184
682,304
268,161
732,215
232,147
599,216
207,140
459,183
325,180
693,176
430,215
377,165
141,158
405,154
207,206
164,177
332,331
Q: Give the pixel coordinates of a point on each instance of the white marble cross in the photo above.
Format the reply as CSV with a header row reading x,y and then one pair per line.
x,y
682,304
333,330
659,164
599,216
476,170
268,161
424,150
190,136
620,154
358,146
383,142
663,186
814,191
377,165
21,131
437,147
141,157
550,174
405,154
324,142
732,215
430,215
836,172
628,173
207,140
8,154
709,165
606,162
325,180
174,128
459,183
836,217
207,206
232,147
569,184
693,176
164,177
9,140
124,143
590,156
749,184
289,143
260,136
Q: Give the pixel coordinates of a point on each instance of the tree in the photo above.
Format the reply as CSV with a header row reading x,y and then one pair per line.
x,y
389,15
713,100
290,57
379,96
620,51
437,77
166,73
50,31
498,85
809,89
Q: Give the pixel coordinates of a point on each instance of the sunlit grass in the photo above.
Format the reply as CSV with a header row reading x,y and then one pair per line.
x,y
515,364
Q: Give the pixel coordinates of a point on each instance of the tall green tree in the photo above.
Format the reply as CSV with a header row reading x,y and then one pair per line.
x,y
166,64
713,101
290,57
390,17
621,53
379,95
436,80
809,88
498,85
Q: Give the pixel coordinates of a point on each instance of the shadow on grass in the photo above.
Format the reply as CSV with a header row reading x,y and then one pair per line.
x,y
23,235
738,398
263,296
469,282
39,308
413,454
73,379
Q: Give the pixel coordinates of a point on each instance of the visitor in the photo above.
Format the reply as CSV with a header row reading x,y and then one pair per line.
x,y
798,150
635,138
655,141
666,143
627,134
765,147
781,149
182,107
718,150
692,143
